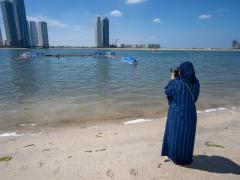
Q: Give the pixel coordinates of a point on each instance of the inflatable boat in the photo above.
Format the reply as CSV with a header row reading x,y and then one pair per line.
x,y
129,60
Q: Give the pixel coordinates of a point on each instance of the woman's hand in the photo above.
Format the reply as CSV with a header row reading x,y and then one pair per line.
x,y
173,76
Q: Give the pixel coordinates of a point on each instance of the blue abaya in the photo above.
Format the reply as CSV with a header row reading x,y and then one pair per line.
x,y
179,137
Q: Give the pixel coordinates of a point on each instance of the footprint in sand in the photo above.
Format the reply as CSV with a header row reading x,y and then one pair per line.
x,y
98,150
109,173
41,164
134,172
89,151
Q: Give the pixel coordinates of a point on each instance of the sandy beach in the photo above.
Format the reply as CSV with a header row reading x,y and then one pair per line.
x,y
123,151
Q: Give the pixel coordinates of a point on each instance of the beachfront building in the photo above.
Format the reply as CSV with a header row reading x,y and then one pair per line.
x,y
154,46
1,39
42,34
105,32
98,33
21,23
33,33
9,23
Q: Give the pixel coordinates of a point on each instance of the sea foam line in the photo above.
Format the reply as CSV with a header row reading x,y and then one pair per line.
x,y
12,134
212,110
137,121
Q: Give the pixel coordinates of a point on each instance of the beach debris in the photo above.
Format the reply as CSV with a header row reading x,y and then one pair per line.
x,y
6,158
133,172
100,133
115,133
98,150
109,173
98,136
89,151
51,143
159,165
30,145
213,145
226,128
69,157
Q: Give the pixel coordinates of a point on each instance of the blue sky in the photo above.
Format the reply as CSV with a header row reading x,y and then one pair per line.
x,y
172,23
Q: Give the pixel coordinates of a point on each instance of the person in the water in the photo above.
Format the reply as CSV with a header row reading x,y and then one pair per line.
x,y
182,93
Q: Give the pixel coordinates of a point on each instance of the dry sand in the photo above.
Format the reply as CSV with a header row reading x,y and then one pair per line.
x,y
118,151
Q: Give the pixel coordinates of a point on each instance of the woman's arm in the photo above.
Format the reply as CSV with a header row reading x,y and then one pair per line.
x,y
171,89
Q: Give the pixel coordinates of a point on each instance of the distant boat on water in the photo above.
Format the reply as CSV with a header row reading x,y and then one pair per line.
x,y
30,55
105,54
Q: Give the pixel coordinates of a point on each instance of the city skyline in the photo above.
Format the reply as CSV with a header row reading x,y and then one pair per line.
x,y
172,24
21,33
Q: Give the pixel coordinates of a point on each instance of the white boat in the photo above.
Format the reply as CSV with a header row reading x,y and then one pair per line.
x,y
30,55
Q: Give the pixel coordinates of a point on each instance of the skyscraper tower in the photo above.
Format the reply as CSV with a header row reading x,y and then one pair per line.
x,y
21,23
43,34
1,39
98,33
9,23
105,32
33,33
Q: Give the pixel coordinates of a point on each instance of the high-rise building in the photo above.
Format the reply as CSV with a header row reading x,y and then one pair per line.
x,y
33,33
43,34
235,44
1,39
21,23
9,23
98,33
105,32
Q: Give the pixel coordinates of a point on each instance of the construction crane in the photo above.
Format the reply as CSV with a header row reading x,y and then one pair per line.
x,y
115,42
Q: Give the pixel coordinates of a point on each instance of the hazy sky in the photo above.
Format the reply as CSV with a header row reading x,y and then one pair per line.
x,y
172,23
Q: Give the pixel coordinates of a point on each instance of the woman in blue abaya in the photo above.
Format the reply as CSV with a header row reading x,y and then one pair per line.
x,y
182,93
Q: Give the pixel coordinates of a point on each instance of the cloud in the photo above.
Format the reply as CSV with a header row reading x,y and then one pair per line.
x,y
156,20
116,13
205,16
52,22
135,1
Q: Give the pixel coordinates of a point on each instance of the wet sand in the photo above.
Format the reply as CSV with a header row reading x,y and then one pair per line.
x,y
123,151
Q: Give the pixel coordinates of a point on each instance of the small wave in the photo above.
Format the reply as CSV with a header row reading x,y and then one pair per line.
x,y
12,134
212,110
137,121
25,125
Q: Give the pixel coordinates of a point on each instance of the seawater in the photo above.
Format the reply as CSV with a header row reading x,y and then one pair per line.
x,y
46,91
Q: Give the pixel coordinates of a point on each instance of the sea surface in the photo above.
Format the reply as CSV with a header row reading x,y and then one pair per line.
x,y
49,91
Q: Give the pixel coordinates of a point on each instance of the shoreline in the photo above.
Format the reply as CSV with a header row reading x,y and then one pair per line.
x,y
34,127
123,151
134,49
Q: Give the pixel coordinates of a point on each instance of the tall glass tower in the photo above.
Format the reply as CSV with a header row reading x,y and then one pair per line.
x,y
21,23
98,33
33,33
105,32
1,39
9,23
43,34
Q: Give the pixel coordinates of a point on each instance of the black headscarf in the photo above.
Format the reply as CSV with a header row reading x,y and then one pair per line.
x,y
187,73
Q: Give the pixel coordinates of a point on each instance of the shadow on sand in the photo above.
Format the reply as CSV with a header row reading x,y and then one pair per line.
x,y
215,164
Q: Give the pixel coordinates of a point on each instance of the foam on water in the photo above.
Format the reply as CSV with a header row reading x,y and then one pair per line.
x,y
25,125
137,121
212,110
11,134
